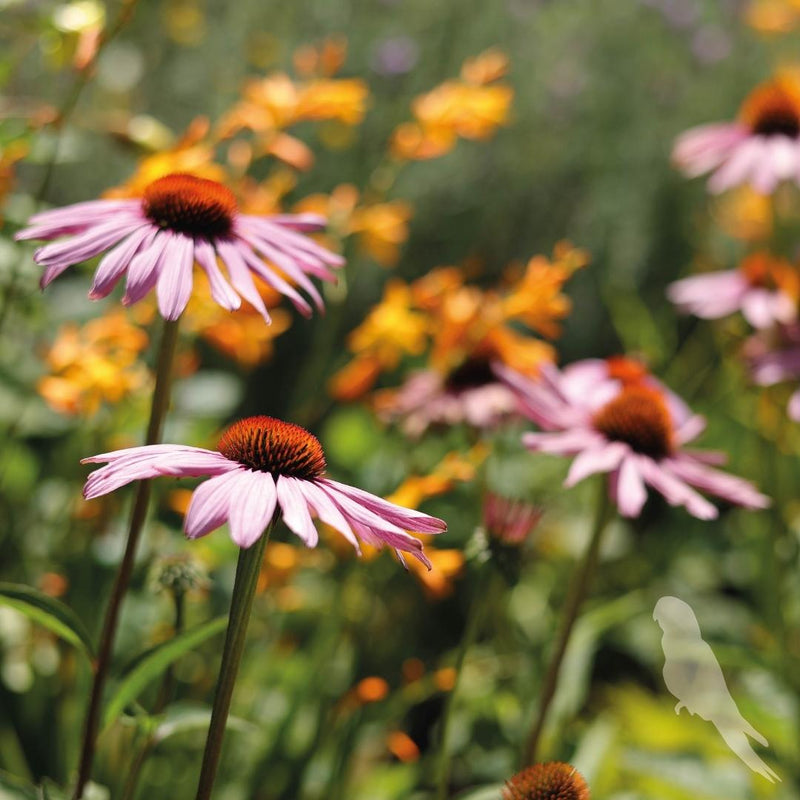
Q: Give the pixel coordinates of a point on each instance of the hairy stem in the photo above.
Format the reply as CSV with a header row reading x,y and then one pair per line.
x,y
158,412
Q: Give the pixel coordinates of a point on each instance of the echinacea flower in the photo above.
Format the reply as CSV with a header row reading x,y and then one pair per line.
x,y
551,781
633,429
774,357
266,466
761,148
763,288
182,220
509,521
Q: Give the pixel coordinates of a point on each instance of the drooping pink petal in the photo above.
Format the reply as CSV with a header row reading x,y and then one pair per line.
x,y
209,506
729,487
627,488
739,166
704,148
252,504
222,292
404,518
604,458
241,278
150,461
793,408
74,219
174,284
294,505
114,264
143,270
675,491
89,243
327,510
401,541
711,296
568,443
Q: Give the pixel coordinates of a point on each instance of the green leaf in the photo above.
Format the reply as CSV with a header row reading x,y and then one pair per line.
x,y
153,662
13,788
48,612
183,717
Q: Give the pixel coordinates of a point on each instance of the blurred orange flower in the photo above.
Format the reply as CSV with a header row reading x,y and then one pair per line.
x,y
773,16
93,364
466,108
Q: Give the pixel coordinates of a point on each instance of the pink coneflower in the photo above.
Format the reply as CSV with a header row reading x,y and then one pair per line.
x,y
182,220
761,148
774,357
763,288
470,395
635,431
264,465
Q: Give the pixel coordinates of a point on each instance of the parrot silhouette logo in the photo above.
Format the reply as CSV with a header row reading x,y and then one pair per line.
x,y
693,675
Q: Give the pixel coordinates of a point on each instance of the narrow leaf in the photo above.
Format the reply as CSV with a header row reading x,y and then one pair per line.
x,y
153,662
49,613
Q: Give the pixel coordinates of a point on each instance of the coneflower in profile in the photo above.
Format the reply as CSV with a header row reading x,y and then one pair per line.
x,y
551,781
181,220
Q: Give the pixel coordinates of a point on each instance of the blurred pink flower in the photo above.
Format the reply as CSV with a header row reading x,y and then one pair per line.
x,y
761,148
180,220
264,466
509,521
472,395
632,429
774,357
719,294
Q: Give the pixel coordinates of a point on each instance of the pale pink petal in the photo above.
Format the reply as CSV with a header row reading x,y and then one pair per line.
x,y
88,244
710,296
241,278
143,270
328,512
784,157
689,429
222,292
675,491
139,463
568,443
116,261
174,286
271,278
405,518
758,307
75,218
739,167
704,148
294,505
604,458
627,488
252,505
401,542
793,408
729,487
209,506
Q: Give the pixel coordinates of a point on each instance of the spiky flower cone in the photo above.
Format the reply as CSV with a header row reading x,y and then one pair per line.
x,y
551,781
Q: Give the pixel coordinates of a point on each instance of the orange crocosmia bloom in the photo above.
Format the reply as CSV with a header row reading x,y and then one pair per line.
x,y
341,99
382,229
94,364
356,378
392,328
487,67
325,59
745,214
537,299
773,16
402,747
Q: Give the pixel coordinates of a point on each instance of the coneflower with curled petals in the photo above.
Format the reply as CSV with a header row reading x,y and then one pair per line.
x,y
263,466
551,781
180,221
618,419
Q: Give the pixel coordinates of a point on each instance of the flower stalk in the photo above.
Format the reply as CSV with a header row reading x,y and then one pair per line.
x,y
578,589
474,616
244,590
158,412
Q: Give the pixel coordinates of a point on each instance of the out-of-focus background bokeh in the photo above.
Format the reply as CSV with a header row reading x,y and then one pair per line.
x,y
463,134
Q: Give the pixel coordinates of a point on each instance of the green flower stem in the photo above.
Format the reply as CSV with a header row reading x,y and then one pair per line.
x,y
474,615
158,412
578,589
244,590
